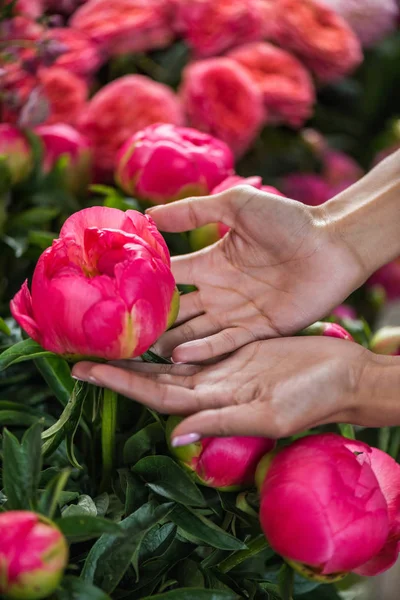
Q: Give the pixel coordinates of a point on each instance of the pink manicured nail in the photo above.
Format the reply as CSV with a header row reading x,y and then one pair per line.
x,y
185,440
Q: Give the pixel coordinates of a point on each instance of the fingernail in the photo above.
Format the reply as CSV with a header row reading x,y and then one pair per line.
x,y
89,379
185,440
177,362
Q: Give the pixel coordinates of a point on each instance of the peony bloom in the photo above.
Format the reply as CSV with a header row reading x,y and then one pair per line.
x,y
64,141
320,37
81,57
308,188
104,288
163,162
120,109
224,463
340,515
345,312
340,170
286,85
210,27
211,233
328,330
33,555
16,152
65,93
388,278
222,99
386,341
372,20
127,25
29,8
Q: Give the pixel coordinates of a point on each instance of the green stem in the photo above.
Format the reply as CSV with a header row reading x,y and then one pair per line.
x,y
108,430
255,546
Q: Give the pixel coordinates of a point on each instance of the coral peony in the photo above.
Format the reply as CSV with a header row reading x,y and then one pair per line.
x,y
63,141
104,288
221,98
308,188
320,37
127,25
65,93
122,108
388,278
81,56
340,515
372,20
33,555
15,152
212,26
286,85
224,463
162,163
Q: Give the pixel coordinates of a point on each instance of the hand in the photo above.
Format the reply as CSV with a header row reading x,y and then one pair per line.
x,y
278,270
273,388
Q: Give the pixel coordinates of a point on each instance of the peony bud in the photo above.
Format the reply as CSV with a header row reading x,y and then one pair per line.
x,y
33,556
387,278
386,341
345,312
309,188
63,141
211,233
330,505
103,289
224,463
15,152
328,330
163,163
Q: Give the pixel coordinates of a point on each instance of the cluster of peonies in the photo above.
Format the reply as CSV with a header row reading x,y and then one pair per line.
x,y
236,64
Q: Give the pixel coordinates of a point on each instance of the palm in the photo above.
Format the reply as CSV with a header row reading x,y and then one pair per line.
x,y
258,281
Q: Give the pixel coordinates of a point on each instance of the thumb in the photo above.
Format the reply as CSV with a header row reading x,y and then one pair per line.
x,y
228,421
191,213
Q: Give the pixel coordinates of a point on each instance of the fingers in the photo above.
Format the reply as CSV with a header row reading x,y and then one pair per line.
x,y
190,307
242,420
157,391
191,213
219,344
191,330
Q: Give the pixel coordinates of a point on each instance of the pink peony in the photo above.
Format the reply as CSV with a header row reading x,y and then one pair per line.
x,y
212,26
29,8
340,515
81,57
162,163
62,141
211,233
286,85
127,25
15,152
345,312
371,20
33,555
224,463
387,277
65,93
339,169
120,109
308,188
221,98
104,288
320,37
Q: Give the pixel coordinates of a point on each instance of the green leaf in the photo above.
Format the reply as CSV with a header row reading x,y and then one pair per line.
x,y
86,527
22,464
205,530
57,374
85,507
286,582
110,556
166,478
4,328
195,594
32,218
347,431
16,418
51,495
67,424
20,352
141,442
74,588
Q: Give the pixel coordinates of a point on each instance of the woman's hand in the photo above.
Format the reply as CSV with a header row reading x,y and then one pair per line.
x,y
273,388
278,270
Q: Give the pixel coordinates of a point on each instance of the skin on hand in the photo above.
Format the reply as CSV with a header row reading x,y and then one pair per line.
x,y
272,388
279,269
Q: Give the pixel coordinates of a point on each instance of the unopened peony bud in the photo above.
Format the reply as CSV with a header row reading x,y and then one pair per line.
x,y
224,463
328,330
63,141
33,556
16,152
386,341
162,163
